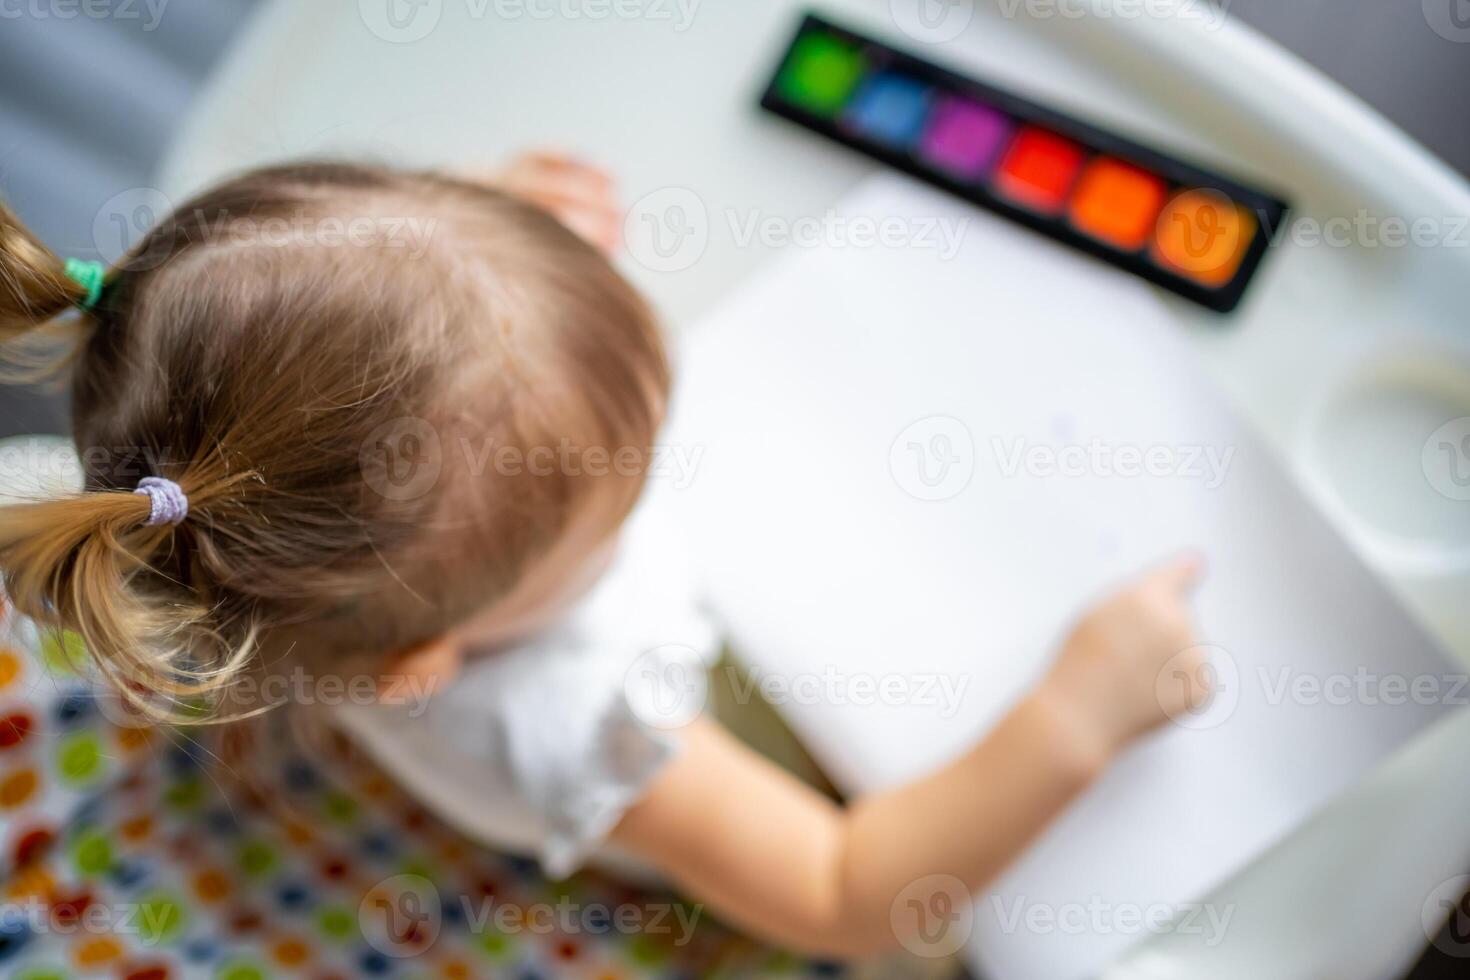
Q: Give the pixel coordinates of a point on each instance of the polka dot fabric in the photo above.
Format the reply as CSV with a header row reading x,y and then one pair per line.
x,y
123,854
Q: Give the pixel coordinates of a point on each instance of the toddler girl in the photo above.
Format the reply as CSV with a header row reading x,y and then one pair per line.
x,y
317,453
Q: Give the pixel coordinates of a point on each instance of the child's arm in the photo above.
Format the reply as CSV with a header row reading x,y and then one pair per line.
x,y
775,857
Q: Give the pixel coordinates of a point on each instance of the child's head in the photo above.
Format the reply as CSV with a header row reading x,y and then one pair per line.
x,y
378,443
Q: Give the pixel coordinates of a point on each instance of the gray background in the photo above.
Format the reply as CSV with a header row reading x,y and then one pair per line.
x,y
1387,52
87,106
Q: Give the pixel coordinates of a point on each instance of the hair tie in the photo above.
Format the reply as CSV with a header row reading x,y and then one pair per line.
x,y
90,276
169,503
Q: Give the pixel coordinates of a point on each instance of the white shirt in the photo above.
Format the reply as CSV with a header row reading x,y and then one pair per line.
x,y
540,749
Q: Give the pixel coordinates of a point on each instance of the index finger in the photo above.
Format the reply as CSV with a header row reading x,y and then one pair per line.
x,y
1179,574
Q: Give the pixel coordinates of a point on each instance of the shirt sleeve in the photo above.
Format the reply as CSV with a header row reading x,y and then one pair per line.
x,y
541,749
580,755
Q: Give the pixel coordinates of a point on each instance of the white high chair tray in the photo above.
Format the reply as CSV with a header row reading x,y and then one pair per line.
x,y
666,100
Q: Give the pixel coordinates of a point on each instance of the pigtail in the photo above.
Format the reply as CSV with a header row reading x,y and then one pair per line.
x,y
37,338
34,286
81,563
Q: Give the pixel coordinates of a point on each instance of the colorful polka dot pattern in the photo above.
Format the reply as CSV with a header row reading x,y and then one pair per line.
x,y
124,855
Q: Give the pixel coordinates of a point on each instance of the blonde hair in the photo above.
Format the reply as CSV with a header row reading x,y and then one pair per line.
x,y
282,381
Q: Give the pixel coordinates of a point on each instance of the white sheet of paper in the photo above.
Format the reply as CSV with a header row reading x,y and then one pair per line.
x,y
817,396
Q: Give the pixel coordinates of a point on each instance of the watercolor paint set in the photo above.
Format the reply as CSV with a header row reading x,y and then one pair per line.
x,y
1188,229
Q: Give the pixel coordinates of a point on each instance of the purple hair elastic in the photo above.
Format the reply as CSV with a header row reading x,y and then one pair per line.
x,y
168,503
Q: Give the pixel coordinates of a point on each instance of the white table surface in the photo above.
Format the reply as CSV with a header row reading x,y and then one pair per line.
x,y
665,97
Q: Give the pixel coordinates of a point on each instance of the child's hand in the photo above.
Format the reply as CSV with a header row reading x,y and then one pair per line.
x,y
773,856
578,195
1107,678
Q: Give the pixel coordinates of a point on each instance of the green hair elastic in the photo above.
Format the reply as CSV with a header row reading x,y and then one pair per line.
x,y
90,276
